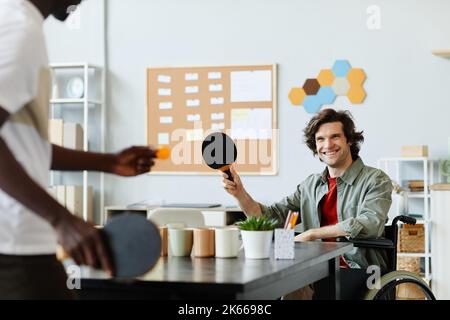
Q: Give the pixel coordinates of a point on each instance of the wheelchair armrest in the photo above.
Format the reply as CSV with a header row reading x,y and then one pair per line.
x,y
380,243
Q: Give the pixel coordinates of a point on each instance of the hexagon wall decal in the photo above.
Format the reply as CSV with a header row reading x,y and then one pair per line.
x,y
296,96
356,94
326,77
312,104
340,86
311,86
356,76
340,80
326,95
341,68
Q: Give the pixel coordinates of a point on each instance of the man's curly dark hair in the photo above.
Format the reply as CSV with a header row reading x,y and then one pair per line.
x,y
330,115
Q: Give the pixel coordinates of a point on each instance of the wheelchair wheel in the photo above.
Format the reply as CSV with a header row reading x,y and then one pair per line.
x,y
390,282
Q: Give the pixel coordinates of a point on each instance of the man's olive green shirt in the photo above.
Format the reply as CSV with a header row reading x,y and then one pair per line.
x,y
363,202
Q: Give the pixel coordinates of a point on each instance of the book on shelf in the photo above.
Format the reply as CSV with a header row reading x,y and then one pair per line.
x,y
73,136
55,131
68,135
71,197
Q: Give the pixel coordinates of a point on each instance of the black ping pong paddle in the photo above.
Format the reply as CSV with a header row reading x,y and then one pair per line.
x,y
134,244
219,152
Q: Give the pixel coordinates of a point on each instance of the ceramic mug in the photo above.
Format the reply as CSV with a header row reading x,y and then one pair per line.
x,y
204,242
180,241
163,232
228,242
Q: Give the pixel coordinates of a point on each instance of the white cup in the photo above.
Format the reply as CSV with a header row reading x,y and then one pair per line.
x,y
227,242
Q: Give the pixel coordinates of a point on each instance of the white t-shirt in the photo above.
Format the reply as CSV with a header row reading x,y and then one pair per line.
x,y
24,93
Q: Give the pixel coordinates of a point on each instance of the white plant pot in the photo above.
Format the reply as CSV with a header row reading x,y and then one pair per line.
x,y
257,244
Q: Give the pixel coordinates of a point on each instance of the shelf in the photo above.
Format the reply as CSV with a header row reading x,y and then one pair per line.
x,y
417,195
73,65
409,200
440,186
73,101
91,106
441,53
413,255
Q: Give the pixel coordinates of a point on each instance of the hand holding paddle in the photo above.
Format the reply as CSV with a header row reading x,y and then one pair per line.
x,y
130,246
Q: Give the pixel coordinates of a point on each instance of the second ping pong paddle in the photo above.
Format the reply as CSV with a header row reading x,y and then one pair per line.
x,y
133,242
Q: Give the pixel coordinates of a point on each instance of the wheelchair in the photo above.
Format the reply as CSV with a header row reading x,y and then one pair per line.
x,y
353,282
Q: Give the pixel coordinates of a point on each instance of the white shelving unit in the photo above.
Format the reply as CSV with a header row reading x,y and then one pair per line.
x,y
93,99
424,170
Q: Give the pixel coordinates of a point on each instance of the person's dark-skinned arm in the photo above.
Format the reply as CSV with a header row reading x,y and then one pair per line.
x,y
129,162
81,240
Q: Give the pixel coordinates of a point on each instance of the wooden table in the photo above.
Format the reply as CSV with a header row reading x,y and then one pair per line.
x,y
232,278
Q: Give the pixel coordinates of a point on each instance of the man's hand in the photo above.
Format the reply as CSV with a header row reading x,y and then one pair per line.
x,y
133,161
83,242
321,233
235,188
308,235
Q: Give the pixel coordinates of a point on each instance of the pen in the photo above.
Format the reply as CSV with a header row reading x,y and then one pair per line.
x,y
293,220
288,220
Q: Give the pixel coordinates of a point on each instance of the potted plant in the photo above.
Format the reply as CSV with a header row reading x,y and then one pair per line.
x,y
257,233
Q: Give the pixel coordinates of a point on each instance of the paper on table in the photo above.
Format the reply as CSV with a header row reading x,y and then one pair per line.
x,y
217,116
165,119
193,117
164,92
251,86
193,102
215,87
164,79
253,123
165,105
194,134
192,89
214,75
191,76
163,138
216,100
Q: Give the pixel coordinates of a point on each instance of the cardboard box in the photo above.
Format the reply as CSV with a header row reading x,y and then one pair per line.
x,y
414,151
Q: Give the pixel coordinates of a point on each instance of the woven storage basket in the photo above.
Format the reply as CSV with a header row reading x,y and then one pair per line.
x,y
411,264
411,238
409,291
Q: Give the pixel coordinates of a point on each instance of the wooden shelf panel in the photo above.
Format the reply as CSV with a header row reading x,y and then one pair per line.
x,y
441,53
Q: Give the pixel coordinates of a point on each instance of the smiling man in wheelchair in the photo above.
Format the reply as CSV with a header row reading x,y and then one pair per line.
x,y
348,200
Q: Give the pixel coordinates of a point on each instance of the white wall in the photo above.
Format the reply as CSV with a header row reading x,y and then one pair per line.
x,y
83,43
408,101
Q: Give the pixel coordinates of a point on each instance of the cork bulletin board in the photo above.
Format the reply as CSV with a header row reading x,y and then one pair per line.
x,y
185,104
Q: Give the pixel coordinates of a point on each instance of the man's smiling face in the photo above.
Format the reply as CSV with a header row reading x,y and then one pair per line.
x,y
331,144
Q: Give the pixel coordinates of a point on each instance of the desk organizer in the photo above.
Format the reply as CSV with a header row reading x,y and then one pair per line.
x,y
284,243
